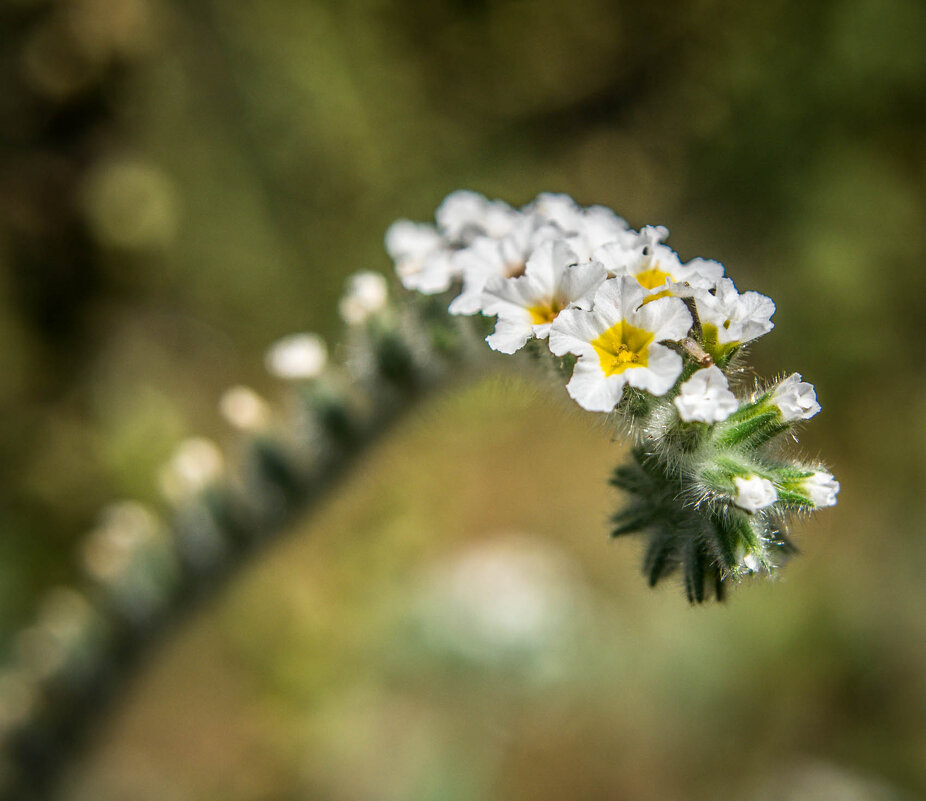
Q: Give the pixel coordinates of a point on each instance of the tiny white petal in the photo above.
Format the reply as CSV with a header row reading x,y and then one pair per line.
x,y
592,390
705,397
754,493
822,488
796,399
297,356
574,330
510,334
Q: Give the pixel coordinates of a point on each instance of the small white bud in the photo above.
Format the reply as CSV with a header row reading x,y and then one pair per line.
x,y
822,488
796,399
751,562
754,493
705,397
367,294
196,464
124,527
244,409
297,357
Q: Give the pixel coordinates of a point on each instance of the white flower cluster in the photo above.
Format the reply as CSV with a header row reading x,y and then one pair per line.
x,y
583,279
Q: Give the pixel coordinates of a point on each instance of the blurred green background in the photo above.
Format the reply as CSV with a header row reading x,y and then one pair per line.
x,y
183,182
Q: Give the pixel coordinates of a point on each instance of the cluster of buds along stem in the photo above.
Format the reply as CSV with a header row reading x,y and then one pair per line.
x,y
656,344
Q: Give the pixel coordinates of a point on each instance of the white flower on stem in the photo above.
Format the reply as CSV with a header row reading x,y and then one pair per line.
x,y
196,464
795,399
422,256
584,229
731,317
507,257
297,357
464,215
754,493
617,343
527,305
655,266
706,397
366,294
244,409
423,253
822,488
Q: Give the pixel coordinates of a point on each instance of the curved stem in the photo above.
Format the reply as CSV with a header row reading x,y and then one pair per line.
x,y
407,362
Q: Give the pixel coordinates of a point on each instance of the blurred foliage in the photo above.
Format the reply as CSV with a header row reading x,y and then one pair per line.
x,y
182,182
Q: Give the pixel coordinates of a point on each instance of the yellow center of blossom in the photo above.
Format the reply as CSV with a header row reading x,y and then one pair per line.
x,y
544,312
653,278
621,347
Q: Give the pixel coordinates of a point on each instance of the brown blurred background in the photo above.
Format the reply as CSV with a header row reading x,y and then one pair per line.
x,y
183,182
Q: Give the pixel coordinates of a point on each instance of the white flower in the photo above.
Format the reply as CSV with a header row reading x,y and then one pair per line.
x,y
422,256
584,229
656,266
244,409
297,357
506,258
366,295
822,488
732,317
599,226
795,399
617,344
527,305
464,215
754,493
705,397
558,208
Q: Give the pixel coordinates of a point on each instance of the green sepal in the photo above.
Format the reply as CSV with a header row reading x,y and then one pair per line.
x,y
751,431
331,411
721,353
275,468
695,564
637,403
658,561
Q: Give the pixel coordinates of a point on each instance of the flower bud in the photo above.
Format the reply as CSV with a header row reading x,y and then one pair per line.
x,y
795,399
705,397
244,409
754,493
367,294
297,357
822,488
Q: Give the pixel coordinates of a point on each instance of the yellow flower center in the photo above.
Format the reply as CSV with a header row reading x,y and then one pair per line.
x,y
621,347
653,278
545,312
